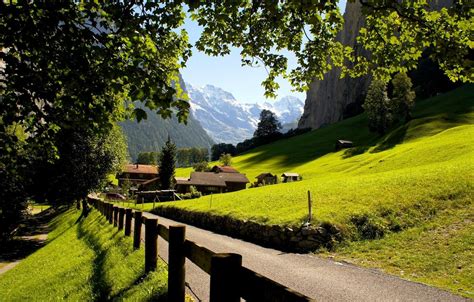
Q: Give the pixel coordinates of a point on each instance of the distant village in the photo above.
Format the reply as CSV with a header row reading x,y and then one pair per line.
x,y
143,182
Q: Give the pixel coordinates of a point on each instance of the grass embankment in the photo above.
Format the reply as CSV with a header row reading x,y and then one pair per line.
x,y
413,188
85,260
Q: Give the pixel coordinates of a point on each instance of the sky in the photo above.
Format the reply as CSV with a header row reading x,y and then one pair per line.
x,y
226,72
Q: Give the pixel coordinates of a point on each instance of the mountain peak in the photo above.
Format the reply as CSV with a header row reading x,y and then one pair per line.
x,y
227,120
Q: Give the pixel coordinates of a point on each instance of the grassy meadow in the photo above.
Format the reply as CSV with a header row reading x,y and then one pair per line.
x,y
403,201
86,259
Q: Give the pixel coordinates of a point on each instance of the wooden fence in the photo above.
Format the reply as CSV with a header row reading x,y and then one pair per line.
x,y
230,281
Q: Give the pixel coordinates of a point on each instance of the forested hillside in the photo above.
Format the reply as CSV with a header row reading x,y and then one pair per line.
x,y
151,134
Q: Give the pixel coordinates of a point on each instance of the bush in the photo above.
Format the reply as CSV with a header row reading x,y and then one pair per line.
x,y
202,167
226,159
369,227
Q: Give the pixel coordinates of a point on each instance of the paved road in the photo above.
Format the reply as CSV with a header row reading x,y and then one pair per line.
x,y
319,278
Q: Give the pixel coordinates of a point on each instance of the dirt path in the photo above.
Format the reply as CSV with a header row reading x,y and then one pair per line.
x,y
31,235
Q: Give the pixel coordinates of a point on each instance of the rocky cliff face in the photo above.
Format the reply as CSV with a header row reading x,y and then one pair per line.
x,y
333,99
328,99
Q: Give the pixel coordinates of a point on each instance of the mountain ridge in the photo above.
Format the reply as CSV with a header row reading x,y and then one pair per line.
x,y
227,120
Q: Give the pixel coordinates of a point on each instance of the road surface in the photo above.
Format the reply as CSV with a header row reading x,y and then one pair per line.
x,y
319,278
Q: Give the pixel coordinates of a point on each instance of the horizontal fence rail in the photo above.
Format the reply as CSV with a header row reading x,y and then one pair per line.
x,y
230,281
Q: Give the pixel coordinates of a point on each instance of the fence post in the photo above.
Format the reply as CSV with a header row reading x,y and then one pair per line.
x,y
128,221
115,216
176,261
151,244
137,229
225,272
110,210
120,218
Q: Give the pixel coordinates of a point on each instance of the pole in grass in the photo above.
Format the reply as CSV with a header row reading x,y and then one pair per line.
x,y
310,206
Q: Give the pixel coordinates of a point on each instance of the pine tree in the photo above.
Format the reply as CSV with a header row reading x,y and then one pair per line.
x,y
166,169
377,106
268,125
403,97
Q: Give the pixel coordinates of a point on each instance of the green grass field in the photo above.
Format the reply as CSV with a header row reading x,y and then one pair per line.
x,y
410,190
85,260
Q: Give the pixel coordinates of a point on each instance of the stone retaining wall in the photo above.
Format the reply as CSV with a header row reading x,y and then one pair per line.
x,y
292,239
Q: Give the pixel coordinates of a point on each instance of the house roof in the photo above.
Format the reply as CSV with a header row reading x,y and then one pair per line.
x,y
140,169
264,174
343,141
224,169
212,179
290,174
150,181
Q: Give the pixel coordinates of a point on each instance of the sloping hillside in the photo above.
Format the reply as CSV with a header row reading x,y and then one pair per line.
x,y
152,133
411,190
85,260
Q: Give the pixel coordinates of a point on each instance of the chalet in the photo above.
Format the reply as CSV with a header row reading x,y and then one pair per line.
x,y
150,185
289,177
266,179
341,144
137,174
211,182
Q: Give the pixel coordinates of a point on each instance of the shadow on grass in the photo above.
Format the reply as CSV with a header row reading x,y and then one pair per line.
x,y
96,239
100,287
30,236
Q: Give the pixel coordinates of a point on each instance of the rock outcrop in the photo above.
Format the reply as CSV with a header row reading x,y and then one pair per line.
x,y
328,99
332,99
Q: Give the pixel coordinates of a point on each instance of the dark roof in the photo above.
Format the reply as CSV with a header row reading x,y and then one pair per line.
x,y
150,181
290,174
213,179
265,174
224,169
140,169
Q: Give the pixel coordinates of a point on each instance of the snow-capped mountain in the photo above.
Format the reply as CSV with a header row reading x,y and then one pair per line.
x,y
227,120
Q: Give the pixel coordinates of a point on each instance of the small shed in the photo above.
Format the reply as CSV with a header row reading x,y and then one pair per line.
x,y
342,144
290,176
266,178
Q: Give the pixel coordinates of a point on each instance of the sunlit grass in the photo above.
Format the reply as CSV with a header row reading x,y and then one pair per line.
x,y
85,260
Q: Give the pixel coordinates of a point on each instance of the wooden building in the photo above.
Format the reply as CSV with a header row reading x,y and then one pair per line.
x,y
137,174
211,182
224,169
341,144
290,176
266,178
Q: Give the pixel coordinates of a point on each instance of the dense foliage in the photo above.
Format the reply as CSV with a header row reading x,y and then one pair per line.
x,y
377,107
384,111
218,149
185,157
151,134
166,165
403,96
226,159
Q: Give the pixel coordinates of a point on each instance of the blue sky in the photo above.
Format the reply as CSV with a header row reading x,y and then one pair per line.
x,y
226,72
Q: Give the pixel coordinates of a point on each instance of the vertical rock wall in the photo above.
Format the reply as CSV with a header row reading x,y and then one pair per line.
x,y
327,99
333,99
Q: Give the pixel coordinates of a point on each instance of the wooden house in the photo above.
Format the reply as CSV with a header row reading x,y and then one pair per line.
x,y
290,176
211,182
266,178
342,144
224,169
137,174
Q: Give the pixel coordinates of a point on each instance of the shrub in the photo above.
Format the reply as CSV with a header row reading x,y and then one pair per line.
x,y
368,227
226,159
